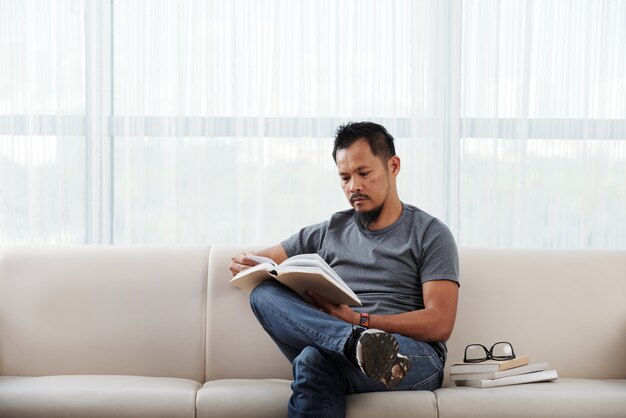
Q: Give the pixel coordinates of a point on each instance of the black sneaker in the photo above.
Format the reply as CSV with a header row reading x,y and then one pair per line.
x,y
377,355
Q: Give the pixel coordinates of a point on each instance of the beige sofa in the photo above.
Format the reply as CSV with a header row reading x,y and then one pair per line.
x,y
159,332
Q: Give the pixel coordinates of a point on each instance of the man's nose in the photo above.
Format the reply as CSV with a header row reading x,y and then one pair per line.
x,y
355,185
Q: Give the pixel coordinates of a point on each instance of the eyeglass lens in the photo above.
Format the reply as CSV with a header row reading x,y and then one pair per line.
x,y
476,352
502,351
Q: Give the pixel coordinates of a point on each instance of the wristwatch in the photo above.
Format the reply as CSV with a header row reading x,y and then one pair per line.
x,y
365,320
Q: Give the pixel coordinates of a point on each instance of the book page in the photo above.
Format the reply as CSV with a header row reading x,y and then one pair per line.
x,y
314,260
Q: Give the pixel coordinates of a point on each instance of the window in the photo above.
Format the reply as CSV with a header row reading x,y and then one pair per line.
x,y
211,122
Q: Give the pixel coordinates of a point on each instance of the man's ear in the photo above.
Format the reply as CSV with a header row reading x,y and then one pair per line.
x,y
393,165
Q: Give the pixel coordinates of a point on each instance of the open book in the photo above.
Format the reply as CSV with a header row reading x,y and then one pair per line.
x,y
300,273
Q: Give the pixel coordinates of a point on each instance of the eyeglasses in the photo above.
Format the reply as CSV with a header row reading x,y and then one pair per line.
x,y
476,353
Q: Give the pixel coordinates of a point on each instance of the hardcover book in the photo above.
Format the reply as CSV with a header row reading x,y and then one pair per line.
x,y
489,366
300,273
541,376
529,368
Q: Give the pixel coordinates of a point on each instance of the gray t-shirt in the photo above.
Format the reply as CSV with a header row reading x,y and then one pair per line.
x,y
386,267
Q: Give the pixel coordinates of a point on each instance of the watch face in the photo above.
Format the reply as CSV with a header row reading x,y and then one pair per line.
x,y
365,320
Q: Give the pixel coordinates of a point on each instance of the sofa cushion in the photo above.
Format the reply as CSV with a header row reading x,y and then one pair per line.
x,y
103,310
97,396
235,398
565,398
418,404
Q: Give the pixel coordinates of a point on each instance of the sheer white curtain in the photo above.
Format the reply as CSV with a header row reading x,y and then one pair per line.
x,y
225,111
42,108
543,150
211,122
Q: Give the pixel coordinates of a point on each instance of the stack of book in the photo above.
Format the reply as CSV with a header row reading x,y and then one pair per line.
x,y
491,373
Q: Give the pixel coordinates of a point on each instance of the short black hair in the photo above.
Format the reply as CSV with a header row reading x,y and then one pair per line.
x,y
379,140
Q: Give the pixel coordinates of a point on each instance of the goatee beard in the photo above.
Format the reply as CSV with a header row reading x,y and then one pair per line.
x,y
366,219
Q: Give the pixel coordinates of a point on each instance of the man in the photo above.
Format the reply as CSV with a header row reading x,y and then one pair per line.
x,y
400,261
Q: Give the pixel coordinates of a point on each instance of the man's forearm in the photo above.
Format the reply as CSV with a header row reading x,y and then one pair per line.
x,y
433,323
276,253
424,325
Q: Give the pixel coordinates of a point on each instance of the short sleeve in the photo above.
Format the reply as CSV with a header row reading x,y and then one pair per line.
x,y
307,241
439,259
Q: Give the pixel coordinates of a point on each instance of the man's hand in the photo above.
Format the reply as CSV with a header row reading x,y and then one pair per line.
x,y
241,262
342,312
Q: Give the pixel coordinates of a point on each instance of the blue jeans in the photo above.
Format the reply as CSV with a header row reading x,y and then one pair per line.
x,y
314,341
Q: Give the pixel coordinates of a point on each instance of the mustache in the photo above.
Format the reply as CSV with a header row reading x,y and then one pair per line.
x,y
355,196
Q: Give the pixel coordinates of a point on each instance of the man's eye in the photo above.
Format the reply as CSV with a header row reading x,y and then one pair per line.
x,y
364,173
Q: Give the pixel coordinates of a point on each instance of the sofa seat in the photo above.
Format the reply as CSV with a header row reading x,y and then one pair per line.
x,y
564,398
97,397
267,398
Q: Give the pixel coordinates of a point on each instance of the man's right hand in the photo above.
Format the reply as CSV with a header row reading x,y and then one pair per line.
x,y
241,262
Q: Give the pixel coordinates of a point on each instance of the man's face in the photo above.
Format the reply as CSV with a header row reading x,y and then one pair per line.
x,y
365,179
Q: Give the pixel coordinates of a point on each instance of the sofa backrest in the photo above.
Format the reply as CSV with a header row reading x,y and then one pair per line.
x,y
103,310
170,311
564,307
237,346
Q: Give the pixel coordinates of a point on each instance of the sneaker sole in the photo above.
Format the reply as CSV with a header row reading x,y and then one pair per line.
x,y
378,357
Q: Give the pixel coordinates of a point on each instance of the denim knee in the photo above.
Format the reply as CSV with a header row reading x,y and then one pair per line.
x,y
309,358
315,361
263,293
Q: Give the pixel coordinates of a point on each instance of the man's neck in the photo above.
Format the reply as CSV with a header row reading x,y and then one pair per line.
x,y
390,214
